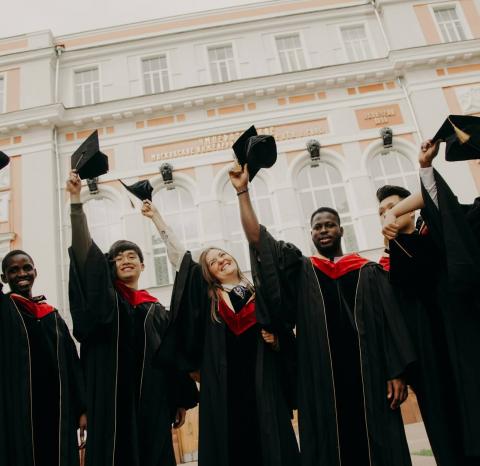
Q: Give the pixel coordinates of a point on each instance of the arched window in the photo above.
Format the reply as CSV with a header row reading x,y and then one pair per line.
x,y
104,221
180,214
262,204
323,186
393,168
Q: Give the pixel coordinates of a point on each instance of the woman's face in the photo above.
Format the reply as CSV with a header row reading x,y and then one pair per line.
x,y
222,265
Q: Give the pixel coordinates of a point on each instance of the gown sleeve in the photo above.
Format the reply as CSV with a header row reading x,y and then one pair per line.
x,y
92,299
275,270
454,229
190,306
398,349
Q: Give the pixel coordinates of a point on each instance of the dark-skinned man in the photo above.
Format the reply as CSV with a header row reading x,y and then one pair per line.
x,y
453,282
132,399
41,383
353,348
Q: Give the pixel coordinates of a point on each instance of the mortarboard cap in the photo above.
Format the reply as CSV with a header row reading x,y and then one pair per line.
x,y
258,151
4,160
462,135
87,160
141,189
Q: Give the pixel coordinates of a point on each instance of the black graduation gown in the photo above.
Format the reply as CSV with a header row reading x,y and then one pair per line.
x,y
41,389
131,399
454,229
290,284
245,418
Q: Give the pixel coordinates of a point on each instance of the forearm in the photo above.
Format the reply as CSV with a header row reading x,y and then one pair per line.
x,y
81,239
250,224
409,204
175,249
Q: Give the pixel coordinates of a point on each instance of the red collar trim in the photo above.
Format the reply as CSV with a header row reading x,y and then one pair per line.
x,y
134,297
38,309
385,263
334,270
238,322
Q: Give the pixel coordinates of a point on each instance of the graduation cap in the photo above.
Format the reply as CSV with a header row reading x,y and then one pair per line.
x,y
87,160
141,189
4,160
259,151
462,135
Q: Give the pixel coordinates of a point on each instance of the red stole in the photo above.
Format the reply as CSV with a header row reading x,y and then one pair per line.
x,y
38,309
385,263
238,322
344,265
134,297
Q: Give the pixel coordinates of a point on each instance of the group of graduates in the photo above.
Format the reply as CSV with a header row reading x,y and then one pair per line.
x,y
334,335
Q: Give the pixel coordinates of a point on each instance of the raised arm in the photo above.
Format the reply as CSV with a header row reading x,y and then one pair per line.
x,y
428,152
251,227
81,239
175,249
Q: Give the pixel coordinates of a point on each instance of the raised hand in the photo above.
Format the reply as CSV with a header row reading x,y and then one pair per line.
x,y
428,151
74,186
390,226
148,209
239,177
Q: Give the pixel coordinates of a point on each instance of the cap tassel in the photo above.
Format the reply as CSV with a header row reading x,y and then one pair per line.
x,y
462,136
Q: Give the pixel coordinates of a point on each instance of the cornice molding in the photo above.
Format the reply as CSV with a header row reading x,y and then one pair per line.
x,y
397,64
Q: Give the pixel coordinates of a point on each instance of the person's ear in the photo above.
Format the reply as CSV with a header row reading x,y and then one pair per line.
x,y
341,232
4,278
142,266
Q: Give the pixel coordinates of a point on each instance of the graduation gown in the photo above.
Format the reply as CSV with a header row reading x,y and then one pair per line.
x,y
349,332
454,229
41,389
245,416
131,398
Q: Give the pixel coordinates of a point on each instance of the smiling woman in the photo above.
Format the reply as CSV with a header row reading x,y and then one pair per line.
x,y
241,358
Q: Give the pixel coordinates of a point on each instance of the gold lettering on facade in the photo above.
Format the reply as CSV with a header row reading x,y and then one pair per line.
x,y
222,142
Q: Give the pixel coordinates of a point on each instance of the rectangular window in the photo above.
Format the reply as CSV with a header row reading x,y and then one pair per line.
x,y
222,63
155,75
356,43
87,86
2,94
449,23
290,53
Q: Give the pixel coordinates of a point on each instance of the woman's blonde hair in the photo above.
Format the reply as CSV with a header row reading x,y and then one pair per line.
x,y
214,285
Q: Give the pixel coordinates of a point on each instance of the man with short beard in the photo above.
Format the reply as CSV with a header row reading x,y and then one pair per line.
x,y
353,347
41,384
132,399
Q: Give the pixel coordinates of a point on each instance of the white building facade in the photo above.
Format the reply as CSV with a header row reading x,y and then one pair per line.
x,y
180,90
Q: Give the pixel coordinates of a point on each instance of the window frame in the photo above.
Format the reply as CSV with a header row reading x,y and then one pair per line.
x,y
84,68
368,35
3,79
234,57
461,16
304,223
151,57
306,56
152,232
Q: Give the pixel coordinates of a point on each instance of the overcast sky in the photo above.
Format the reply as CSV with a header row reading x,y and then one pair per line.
x,y
67,16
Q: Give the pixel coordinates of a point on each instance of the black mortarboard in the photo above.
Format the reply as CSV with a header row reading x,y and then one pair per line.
x,y
87,160
462,135
258,151
141,189
4,160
